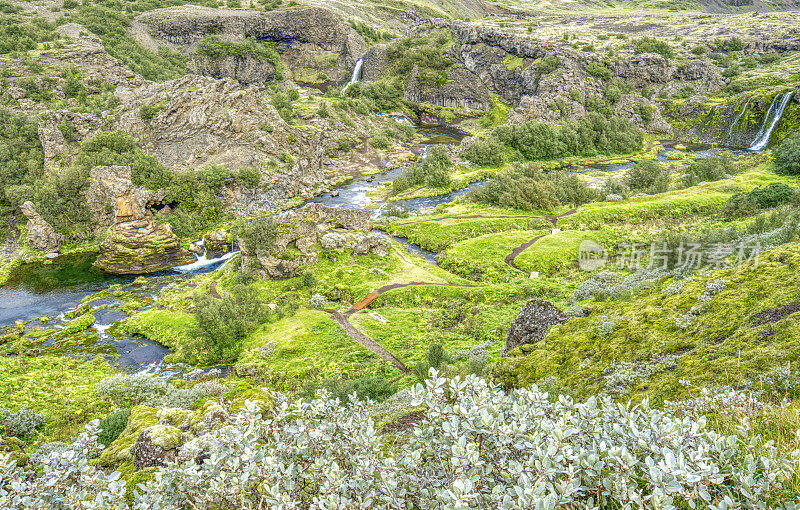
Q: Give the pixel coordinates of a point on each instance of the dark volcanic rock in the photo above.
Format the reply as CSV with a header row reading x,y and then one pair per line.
x,y
532,323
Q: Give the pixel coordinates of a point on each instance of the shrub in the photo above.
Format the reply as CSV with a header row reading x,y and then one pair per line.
x,y
652,45
531,189
599,70
248,177
750,203
112,426
485,153
131,390
433,172
647,177
222,324
474,445
709,170
548,64
375,388
20,423
787,156
259,235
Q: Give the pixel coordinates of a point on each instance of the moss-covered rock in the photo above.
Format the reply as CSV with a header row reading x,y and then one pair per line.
x,y
139,247
16,448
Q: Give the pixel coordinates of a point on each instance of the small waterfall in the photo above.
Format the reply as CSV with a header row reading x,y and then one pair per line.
x,y
203,262
738,119
356,75
770,121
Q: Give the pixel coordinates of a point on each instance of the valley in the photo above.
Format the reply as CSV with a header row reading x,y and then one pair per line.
x,y
413,254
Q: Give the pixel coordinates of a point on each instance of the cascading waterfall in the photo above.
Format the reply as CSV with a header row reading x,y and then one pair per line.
x,y
738,118
356,75
770,121
203,262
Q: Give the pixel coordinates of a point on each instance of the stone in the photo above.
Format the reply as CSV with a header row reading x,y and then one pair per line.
x,y
218,240
463,90
16,93
248,370
141,247
373,242
113,198
39,234
533,323
15,448
156,446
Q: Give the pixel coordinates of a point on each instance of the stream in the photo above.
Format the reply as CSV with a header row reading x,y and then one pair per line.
x,y
44,295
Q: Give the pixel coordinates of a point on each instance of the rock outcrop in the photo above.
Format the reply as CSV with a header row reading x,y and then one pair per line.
x,y
314,41
140,247
463,90
533,323
300,229
113,198
156,446
39,233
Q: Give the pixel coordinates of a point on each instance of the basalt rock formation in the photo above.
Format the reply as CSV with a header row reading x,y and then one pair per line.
x,y
318,47
113,198
40,234
140,247
533,323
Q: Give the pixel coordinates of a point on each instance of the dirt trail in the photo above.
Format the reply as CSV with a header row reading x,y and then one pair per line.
x,y
365,340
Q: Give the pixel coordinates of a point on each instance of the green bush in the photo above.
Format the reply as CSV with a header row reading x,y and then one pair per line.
x,y
213,46
119,148
548,64
529,188
222,324
20,33
709,170
787,156
599,70
647,177
21,163
752,202
589,136
259,235
488,152
375,388
112,426
652,45
248,177
433,172
283,101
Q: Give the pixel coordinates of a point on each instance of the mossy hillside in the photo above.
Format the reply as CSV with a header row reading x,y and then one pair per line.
x,y
60,388
724,345
482,258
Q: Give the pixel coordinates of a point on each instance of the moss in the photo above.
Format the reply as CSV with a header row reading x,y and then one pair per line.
x,y
165,436
15,448
79,324
119,451
135,479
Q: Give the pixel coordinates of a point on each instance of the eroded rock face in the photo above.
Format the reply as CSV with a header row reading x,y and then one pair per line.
x,y
301,229
532,323
463,90
40,234
141,247
113,198
645,69
315,41
631,106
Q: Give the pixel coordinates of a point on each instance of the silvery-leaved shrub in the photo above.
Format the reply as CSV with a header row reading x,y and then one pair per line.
x,y
148,390
318,300
20,423
473,446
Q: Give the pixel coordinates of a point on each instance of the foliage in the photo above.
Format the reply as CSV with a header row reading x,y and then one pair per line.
x,y
709,170
283,101
647,177
460,454
21,33
111,21
112,426
589,136
370,34
787,156
752,202
21,162
529,188
599,70
259,235
213,46
485,153
20,423
224,323
652,45
119,148
135,389
433,172
248,177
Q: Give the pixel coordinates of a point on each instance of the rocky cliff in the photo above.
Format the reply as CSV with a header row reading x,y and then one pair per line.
x,y
317,46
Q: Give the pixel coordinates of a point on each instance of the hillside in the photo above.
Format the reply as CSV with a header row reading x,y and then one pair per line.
x,y
399,254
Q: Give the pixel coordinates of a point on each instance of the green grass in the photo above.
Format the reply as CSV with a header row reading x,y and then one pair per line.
x,y
60,388
722,346
482,258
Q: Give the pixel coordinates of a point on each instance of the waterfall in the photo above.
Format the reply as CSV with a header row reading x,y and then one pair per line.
x,y
356,75
738,119
770,121
203,262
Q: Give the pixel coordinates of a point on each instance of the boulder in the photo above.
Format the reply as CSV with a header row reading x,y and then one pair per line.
x,y
218,241
39,233
15,448
532,323
245,69
156,446
630,107
373,242
463,90
141,247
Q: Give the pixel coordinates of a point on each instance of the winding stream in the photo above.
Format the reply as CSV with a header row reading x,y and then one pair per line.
x,y
44,295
